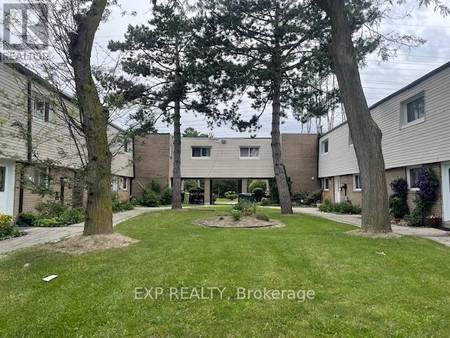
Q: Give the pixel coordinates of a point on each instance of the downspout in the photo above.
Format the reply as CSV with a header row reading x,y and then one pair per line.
x,y
29,142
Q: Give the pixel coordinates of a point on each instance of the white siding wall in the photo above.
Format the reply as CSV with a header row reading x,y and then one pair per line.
x,y
122,163
426,142
225,161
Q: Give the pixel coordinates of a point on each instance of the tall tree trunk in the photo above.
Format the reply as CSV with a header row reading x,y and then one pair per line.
x,y
94,121
176,192
280,172
364,131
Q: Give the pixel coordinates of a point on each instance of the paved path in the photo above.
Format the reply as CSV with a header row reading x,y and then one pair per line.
x,y
437,235
36,236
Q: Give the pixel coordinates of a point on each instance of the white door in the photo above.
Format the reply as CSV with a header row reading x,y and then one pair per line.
x,y
337,192
446,190
7,173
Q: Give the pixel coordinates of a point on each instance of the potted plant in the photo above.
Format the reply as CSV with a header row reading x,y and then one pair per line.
x,y
434,221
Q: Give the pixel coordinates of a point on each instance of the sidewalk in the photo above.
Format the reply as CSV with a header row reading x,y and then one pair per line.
x,y
437,235
38,235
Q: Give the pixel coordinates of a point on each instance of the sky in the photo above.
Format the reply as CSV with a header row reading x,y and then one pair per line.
x,y
379,79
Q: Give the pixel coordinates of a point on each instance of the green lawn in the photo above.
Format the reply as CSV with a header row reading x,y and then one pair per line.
x,y
357,291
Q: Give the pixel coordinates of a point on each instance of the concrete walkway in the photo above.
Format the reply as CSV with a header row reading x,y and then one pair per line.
x,y
37,235
437,235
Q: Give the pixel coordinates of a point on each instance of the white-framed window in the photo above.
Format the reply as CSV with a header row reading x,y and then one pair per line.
x,y
325,184
411,177
125,183
114,184
2,178
127,145
249,152
412,111
357,182
324,147
42,109
199,152
41,177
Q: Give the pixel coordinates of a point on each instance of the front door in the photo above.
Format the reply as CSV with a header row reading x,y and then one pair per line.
x,y
7,172
337,192
446,190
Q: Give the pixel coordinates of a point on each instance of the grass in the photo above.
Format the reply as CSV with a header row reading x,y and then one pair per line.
x,y
358,292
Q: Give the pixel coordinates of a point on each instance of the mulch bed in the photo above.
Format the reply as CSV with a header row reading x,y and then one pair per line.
x,y
244,222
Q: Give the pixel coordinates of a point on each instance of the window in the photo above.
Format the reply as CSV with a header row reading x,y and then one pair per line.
x,y
201,152
356,182
114,184
324,147
411,175
125,183
413,111
2,178
350,140
41,110
127,146
249,152
41,177
326,184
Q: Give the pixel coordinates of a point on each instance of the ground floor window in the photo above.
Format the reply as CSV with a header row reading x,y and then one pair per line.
x,y
326,184
411,175
125,183
357,182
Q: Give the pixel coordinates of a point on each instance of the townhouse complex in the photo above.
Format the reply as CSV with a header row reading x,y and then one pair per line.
x,y
38,149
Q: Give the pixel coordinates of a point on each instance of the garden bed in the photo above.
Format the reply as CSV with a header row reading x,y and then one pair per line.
x,y
244,222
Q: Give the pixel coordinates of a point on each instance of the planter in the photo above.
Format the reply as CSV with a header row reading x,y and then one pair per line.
x,y
434,222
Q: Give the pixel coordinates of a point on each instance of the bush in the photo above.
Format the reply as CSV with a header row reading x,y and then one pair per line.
x,y
247,208
307,198
50,209
257,184
236,214
166,196
265,201
274,196
259,193
155,186
398,200
196,196
262,217
149,199
231,195
49,222
26,218
72,216
7,227
339,208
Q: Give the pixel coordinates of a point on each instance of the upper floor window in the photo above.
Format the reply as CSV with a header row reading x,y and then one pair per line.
x,y
41,109
201,151
357,182
249,152
324,147
127,145
413,111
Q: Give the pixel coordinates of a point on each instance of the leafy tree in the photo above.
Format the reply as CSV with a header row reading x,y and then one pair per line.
x,y
191,132
158,53
364,131
265,51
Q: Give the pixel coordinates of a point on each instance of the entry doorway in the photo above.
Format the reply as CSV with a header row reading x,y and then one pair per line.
x,y
7,174
446,191
337,191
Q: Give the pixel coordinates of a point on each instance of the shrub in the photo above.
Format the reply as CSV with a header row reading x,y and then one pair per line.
x,y
247,208
155,186
262,217
231,195
72,216
398,200
307,198
166,196
274,196
215,197
7,227
236,214
49,222
50,209
265,201
261,184
196,196
259,193
339,208
426,196
26,218
149,199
